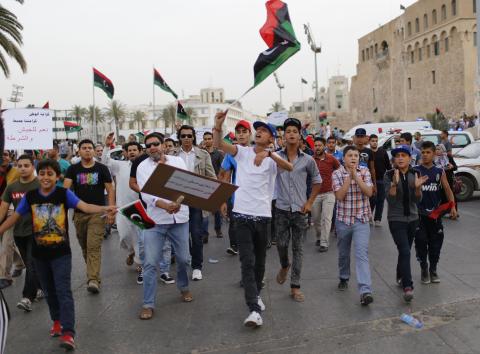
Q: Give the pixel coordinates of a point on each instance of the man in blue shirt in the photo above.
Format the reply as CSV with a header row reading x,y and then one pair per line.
x,y
332,149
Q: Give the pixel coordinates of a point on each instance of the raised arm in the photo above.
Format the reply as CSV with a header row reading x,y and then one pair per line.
x,y
218,141
12,220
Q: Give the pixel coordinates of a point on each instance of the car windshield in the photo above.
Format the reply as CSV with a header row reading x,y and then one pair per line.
x,y
471,151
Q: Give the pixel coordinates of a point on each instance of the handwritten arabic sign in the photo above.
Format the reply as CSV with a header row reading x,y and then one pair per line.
x,y
199,187
28,129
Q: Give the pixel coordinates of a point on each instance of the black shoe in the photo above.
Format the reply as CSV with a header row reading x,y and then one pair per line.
x,y
17,272
323,249
232,250
425,276
434,277
274,242
5,283
219,233
205,239
140,276
317,243
366,299
343,285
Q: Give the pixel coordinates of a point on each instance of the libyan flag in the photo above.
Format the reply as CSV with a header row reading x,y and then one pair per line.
x,y
160,82
181,112
71,127
136,213
103,82
280,38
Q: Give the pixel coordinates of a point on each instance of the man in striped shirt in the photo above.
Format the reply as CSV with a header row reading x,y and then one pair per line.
x,y
353,187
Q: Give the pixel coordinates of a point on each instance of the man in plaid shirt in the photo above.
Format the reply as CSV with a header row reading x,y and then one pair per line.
x,y
353,187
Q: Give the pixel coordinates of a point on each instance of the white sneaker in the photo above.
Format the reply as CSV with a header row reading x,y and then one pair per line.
x,y
25,305
253,320
378,223
197,274
261,304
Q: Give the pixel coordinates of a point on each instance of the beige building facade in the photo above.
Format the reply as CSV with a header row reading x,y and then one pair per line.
x,y
422,60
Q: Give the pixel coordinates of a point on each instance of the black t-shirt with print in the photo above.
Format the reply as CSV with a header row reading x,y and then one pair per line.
x,y
89,183
366,156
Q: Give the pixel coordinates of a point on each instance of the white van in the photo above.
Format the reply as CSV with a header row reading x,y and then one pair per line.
x,y
390,128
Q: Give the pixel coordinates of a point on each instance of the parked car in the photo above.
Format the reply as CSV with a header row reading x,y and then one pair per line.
x,y
468,162
386,128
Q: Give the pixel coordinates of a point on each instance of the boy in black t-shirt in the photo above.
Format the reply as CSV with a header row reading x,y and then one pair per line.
x,y
48,206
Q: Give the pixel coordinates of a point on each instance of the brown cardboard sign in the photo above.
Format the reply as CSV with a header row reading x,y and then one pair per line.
x,y
200,192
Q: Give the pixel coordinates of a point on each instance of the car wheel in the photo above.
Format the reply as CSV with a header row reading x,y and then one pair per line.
x,y
467,189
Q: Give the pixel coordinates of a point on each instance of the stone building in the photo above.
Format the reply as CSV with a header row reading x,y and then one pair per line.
x,y
421,60
338,94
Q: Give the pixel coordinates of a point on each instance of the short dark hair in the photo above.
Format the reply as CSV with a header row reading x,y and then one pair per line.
x,y
445,132
157,135
25,157
132,143
170,139
428,145
373,136
187,127
207,133
85,141
331,137
407,136
55,145
322,140
349,148
49,163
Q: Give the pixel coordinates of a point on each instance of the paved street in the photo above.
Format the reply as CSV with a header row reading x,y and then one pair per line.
x,y
327,322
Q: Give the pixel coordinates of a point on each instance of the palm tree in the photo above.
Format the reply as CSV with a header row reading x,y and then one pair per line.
x,y
118,112
10,39
169,114
98,115
78,113
191,113
277,107
139,117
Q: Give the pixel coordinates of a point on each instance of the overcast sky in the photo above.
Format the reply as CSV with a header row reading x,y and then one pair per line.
x,y
193,43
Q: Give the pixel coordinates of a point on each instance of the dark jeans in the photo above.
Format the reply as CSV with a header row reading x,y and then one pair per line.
x,y
429,241
196,238
403,234
218,223
252,247
378,200
55,278
231,225
31,285
272,234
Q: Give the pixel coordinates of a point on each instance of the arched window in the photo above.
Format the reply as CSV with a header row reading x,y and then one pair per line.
x,y
444,41
434,17
425,22
363,55
418,51
376,48
417,25
444,12
436,46
454,8
409,29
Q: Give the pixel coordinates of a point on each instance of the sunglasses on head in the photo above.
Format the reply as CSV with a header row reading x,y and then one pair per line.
x,y
292,120
149,145
189,136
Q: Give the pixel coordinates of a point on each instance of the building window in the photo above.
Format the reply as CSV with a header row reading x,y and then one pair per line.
x,y
409,29
446,44
444,12
436,48
371,52
409,83
428,51
363,55
412,56
454,8
425,22
434,79
376,48
475,39
417,25
434,17
420,54
367,54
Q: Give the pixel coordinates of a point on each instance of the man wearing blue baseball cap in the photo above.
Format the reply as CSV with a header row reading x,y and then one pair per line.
x,y
257,169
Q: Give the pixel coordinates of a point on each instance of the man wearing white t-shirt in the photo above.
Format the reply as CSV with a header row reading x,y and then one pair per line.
x,y
256,173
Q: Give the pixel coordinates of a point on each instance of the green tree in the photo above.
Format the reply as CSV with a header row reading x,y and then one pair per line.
x,y
277,107
78,113
10,40
139,117
118,112
169,114
98,115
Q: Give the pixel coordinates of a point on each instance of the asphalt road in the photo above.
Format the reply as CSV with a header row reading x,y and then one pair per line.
x,y
327,322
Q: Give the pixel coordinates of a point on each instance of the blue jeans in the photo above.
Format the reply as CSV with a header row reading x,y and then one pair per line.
x,y
55,278
360,233
164,263
218,222
154,239
378,200
196,233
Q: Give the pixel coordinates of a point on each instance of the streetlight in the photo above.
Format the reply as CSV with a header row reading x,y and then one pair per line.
x,y
17,94
280,87
316,50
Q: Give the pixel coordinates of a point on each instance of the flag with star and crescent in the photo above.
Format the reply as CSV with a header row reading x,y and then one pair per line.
x,y
103,83
136,213
181,111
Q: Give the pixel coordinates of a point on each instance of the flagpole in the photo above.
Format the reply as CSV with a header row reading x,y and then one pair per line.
x,y
301,90
94,125
153,98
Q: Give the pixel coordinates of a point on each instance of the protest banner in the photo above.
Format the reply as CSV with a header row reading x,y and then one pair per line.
x,y
277,118
28,129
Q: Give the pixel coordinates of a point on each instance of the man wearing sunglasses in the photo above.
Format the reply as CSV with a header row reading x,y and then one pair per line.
x,y
252,209
171,222
197,161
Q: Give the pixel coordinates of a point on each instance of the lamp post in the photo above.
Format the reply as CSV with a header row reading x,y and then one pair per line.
x,y
17,94
477,8
316,50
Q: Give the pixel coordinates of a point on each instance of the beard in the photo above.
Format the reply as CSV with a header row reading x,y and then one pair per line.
x,y
156,156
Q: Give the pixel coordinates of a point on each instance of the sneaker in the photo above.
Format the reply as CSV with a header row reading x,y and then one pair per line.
x,y
434,277
67,342
263,284
93,287
205,239
425,276
140,276
323,249
317,243
366,299
378,223
56,330
233,251
399,282
5,283
261,304
197,274
40,295
17,272
407,294
274,243
343,285
253,320
167,279
219,233
25,305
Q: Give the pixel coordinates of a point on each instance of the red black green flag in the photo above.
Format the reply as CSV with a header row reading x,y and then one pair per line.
x,y
160,82
181,112
103,82
280,38
71,127
136,213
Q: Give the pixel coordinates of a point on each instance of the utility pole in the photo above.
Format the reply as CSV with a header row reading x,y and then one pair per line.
x,y
316,50
280,87
17,94
477,7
